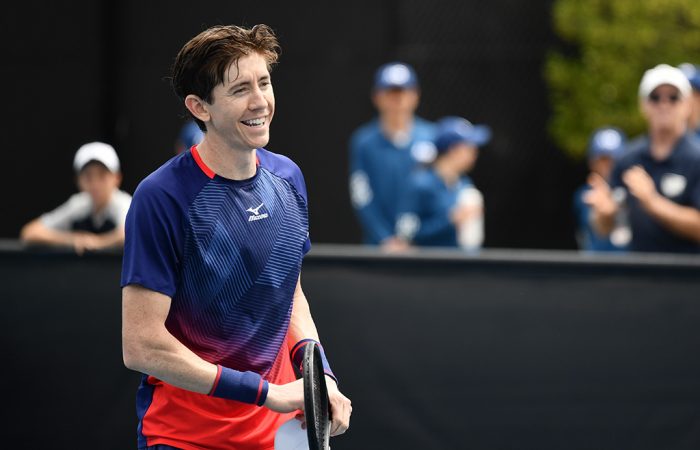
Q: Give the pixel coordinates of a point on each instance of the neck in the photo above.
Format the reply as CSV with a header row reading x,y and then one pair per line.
x,y
396,123
663,140
227,162
99,207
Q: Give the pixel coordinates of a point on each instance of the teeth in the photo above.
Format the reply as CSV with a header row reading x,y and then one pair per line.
x,y
254,122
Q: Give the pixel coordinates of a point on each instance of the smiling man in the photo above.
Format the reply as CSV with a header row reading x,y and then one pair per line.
x,y
214,315
658,178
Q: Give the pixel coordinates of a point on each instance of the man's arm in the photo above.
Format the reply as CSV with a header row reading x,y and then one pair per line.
x,y
363,199
36,232
148,347
681,220
603,206
302,326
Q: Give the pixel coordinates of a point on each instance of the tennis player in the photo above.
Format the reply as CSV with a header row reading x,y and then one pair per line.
x,y
214,315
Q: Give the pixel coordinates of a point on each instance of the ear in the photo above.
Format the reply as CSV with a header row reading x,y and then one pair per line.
x,y
197,107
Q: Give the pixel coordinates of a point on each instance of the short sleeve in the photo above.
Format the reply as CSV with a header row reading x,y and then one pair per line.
x,y
297,180
153,241
77,207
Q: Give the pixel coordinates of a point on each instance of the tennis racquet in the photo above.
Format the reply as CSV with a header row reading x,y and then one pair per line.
x,y
316,406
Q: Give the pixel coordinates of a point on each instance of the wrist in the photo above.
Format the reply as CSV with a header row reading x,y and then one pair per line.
x,y
297,357
246,387
651,202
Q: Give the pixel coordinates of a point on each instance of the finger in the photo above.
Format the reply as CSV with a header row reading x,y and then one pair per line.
x,y
341,421
301,418
596,181
340,425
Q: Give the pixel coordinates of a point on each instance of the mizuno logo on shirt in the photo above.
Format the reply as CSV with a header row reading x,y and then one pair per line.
x,y
256,213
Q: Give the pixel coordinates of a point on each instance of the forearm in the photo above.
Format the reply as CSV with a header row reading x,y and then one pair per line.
x,y
113,238
164,357
37,232
302,329
301,324
148,347
683,221
602,224
435,227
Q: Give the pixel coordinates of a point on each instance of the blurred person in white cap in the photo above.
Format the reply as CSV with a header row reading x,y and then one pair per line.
x,y
382,153
605,146
93,218
692,72
658,177
441,206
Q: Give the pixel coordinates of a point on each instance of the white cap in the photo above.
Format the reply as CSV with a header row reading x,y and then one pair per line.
x,y
664,74
96,151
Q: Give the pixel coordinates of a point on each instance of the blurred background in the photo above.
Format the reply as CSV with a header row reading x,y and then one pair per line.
x,y
543,74
98,70
556,351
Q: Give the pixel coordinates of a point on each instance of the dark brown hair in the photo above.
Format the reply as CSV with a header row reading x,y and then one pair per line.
x,y
202,62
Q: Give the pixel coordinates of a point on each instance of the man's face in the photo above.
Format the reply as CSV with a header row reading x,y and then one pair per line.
x,y
98,182
396,101
602,165
666,109
243,105
463,156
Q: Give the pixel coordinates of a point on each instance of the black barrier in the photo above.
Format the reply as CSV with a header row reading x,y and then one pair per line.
x,y
437,350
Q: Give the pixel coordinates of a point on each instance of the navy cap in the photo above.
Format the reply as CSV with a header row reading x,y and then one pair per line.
x,y
691,71
395,75
606,141
452,130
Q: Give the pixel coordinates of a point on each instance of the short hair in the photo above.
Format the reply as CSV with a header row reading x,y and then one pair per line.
x,y
202,63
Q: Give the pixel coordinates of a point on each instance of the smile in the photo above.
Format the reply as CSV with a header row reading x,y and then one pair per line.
x,y
254,122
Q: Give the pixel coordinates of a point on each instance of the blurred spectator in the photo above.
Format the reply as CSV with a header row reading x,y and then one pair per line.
x,y
382,153
93,218
189,135
606,145
658,177
692,72
441,206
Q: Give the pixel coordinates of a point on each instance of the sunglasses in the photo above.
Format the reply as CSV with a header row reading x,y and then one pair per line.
x,y
656,98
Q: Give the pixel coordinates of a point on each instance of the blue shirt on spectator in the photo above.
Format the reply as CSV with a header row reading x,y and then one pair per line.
x,y
424,212
379,169
676,178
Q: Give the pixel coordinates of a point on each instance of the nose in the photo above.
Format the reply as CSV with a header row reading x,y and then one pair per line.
x,y
257,99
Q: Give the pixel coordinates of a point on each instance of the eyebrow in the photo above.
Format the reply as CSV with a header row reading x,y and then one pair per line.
x,y
247,83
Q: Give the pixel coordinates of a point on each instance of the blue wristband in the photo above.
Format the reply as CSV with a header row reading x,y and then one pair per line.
x,y
246,387
297,356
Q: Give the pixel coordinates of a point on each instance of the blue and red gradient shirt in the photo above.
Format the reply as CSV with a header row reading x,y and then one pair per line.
x,y
228,253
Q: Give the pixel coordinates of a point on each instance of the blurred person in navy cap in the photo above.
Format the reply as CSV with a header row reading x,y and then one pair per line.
x,y
441,206
189,135
382,153
94,218
692,71
606,145
658,177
